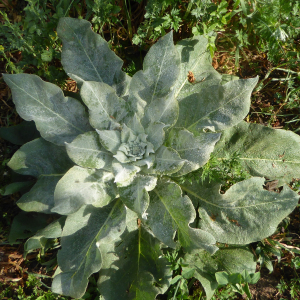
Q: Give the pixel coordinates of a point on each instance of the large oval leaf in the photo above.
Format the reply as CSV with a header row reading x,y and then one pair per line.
x,y
153,85
59,119
48,163
263,151
86,55
106,109
195,58
86,230
169,212
195,150
136,267
246,213
81,186
135,196
87,151
216,107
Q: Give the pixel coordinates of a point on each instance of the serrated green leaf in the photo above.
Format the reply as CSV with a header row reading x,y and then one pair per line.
x,y
106,109
231,259
167,161
87,151
169,212
262,151
86,56
81,186
216,107
194,150
48,163
86,230
152,86
136,268
52,231
59,119
195,58
240,215
135,196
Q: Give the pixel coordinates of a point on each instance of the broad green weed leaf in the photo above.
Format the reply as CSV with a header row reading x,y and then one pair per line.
x,y
154,84
246,213
216,107
86,56
194,150
86,230
106,109
59,119
135,196
231,259
169,212
263,151
136,270
87,151
81,186
48,163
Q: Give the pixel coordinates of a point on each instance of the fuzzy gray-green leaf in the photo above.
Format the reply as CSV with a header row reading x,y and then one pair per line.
x,y
262,151
86,56
124,173
59,119
153,84
216,107
195,150
83,233
48,163
135,196
167,162
195,58
110,139
169,212
136,268
81,186
106,109
87,151
246,213
156,134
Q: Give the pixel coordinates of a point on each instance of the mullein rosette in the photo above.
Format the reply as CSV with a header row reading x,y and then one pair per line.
x,y
109,162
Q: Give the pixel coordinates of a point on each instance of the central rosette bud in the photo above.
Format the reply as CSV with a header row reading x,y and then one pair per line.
x,y
134,146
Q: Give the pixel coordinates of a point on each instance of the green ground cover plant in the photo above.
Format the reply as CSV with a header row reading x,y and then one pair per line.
x,y
122,168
